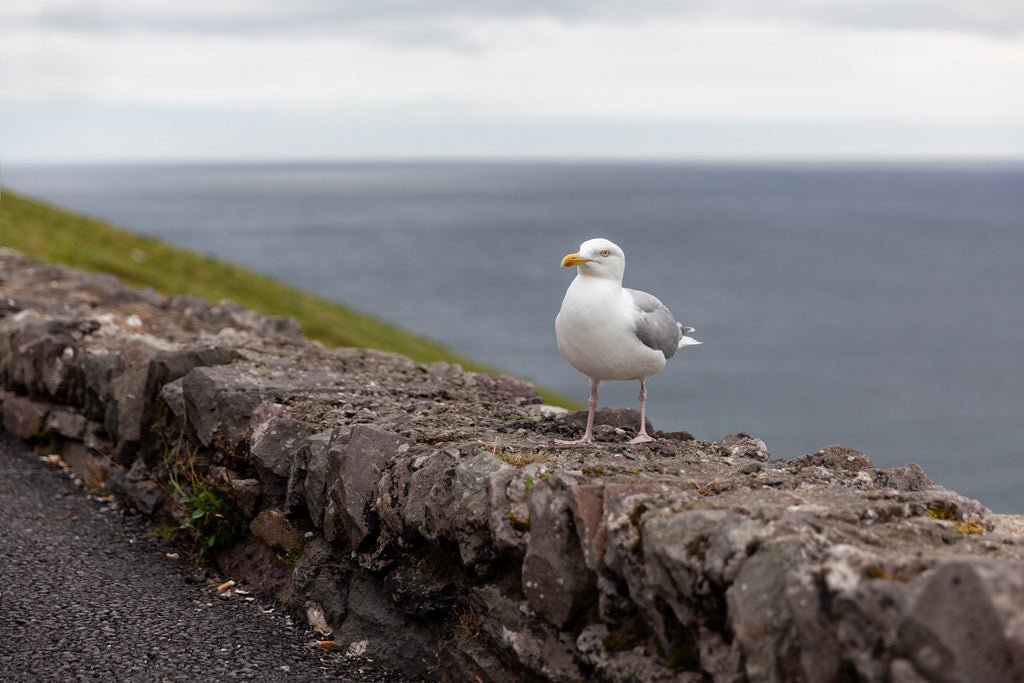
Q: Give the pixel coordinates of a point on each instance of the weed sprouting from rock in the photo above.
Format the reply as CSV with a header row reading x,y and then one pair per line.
x,y
211,521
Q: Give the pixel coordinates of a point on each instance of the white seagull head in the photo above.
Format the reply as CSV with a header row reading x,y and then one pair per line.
x,y
598,258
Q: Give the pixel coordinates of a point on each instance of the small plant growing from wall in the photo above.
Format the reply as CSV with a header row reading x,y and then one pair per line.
x,y
210,520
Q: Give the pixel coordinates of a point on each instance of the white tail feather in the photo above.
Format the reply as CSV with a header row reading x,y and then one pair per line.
x,y
687,341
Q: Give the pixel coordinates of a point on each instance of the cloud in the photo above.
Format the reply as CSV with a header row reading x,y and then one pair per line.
x,y
996,17
538,67
454,68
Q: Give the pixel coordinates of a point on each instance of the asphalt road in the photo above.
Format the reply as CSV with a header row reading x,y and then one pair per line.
x,y
86,596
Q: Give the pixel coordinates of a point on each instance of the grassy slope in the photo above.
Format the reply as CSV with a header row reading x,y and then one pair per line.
x,y
50,234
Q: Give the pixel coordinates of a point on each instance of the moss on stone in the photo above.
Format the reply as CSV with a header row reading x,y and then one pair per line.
x,y
518,523
949,513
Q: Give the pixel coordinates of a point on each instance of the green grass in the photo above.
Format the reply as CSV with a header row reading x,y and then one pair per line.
x,y
47,233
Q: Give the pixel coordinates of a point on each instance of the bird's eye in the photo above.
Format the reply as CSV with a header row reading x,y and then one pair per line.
x,y
606,253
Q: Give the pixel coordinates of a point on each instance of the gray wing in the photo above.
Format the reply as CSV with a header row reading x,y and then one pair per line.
x,y
655,326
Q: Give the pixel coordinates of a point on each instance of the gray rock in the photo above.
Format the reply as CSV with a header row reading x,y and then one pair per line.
x,y
38,353
638,663
470,511
418,595
245,494
623,418
132,485
320,581
173,396
354,471
690,558
66,422
865,605
761,617
967,624
295,488
220,402
132,404
145,378
745,446
556,580
622,574
271,527
24,417
509,513
586,502
906,478
274,446
314,488
98,367
429,497
836,458
374,626
531,643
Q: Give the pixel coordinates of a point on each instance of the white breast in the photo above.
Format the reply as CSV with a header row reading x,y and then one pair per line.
x,y
594,330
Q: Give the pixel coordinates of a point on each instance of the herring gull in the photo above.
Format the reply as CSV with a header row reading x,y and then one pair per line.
x,y
609,332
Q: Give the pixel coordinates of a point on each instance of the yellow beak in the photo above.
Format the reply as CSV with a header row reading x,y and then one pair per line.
x,y
573,260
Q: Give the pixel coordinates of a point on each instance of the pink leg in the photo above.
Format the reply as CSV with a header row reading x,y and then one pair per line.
x,y
588,435
642,436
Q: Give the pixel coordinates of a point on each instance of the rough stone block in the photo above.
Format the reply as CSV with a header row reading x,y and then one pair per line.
x,y
764,602
531,642
24,417
129,388
220,402
419,595
66,422
509,512
142,494
97,368
315,487
967,624
271,527
745,446
470,512
635,664
354,471
429,496
556,580
374,626
320,584
273,448
586,502
623,418
836,458
245,494
40,354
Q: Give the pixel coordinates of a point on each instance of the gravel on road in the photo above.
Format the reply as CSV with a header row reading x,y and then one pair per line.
x,y
85,595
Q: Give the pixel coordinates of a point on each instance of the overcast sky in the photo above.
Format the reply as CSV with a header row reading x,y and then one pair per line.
x,y
87,80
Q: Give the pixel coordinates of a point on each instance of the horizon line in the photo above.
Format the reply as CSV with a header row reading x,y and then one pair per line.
x,y
569,160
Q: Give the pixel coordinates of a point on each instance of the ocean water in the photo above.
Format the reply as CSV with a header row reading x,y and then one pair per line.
x,y
874,306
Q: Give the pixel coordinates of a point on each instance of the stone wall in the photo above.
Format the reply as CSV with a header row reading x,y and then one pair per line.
x,y
424,513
